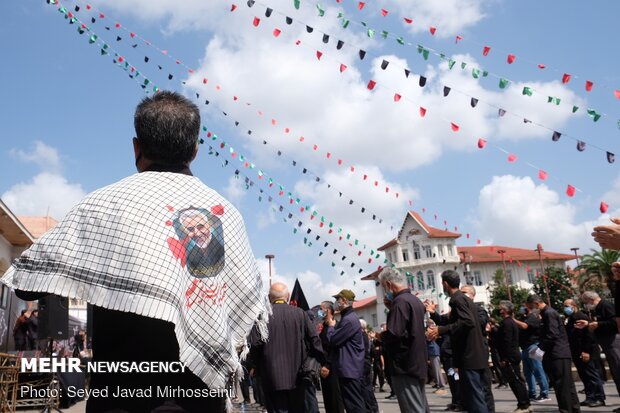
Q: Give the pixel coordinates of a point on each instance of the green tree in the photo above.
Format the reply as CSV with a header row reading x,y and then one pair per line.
x,y
498,292
559,284
595,270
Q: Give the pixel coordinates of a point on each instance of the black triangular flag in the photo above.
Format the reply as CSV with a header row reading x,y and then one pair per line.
x,y
304,170
236,123
407,73
363,209
159,66
350,202
309,29
146,59
362,54
77,8
264,142
317,179
611,157
422,81
526,120
170,77
446,91
197,96
325,38
474,102
294,163
556,136
289,20
92,20
581,146
279,153
268,12
251,3
134,45
119,38
384,64
339,44
501,112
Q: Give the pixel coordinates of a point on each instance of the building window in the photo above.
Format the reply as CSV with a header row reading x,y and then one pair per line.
x,y
375,322
428,251
405,255
430,279
530,276
440,250
416,251
420,278
477,278
450,251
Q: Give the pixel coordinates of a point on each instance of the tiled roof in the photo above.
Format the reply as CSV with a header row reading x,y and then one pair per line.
x,y
491,254
432,231
38,226
365,302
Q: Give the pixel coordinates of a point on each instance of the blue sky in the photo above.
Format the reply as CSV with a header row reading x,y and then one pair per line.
x,y
67,116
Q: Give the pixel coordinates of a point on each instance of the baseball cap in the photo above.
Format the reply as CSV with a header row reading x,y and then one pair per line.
x,y
346,294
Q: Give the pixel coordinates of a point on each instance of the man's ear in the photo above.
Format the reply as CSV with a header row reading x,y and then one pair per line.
x,y
195,153
136,147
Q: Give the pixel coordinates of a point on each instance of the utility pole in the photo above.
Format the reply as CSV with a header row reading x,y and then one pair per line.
x,y
502,252
270,257
575,249
539,250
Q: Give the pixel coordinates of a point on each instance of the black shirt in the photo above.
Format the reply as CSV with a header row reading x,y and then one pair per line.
x,y
468,347
580,339
508,340
553,338
605,315
530,335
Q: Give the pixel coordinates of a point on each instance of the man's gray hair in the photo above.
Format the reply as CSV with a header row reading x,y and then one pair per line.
x,y
509,306
469,289
278,291
363,323
393,276
590,295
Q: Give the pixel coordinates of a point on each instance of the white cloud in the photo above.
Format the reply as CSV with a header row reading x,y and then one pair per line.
x,y
235,191
46,157
45,193
450,17
517,212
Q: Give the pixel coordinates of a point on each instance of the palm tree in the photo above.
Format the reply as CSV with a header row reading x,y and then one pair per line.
x,y
595,268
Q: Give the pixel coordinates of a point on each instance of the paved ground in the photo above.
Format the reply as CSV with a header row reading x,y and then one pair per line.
x,y
504,403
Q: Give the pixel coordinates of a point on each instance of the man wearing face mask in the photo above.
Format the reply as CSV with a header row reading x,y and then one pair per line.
x,y
329,380
347,340
405,340
585,354
605,330
532,369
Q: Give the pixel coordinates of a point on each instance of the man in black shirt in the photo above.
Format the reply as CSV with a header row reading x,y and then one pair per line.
x,y
605,329
585,353
510,357
329,380
557,357
532,369
469,350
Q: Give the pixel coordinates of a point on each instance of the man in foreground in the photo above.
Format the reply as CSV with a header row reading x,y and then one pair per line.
x,y
125,249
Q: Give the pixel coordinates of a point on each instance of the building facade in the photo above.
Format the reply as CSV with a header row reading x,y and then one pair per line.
x,y
423,252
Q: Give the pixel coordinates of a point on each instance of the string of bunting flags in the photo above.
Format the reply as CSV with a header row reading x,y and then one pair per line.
x,y
458,39
570,191
474,101
235,98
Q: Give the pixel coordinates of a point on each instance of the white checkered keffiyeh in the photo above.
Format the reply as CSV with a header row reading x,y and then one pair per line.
x,y
161,245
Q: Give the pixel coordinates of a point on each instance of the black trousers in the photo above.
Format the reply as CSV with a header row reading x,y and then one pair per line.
x,y
331,394
590,376
559,371
512,372
284,401
377,371
352,391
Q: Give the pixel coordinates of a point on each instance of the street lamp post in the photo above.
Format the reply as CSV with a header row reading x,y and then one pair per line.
x,y
502,252
539,250
575,249
270,257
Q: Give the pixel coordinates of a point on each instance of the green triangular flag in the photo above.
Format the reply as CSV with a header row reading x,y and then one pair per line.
x,y
364,24
400,40
463,64
575,109
475,73
92,39
320,10
384,34
503,83
451,64
425,54
595,116
370,32
485,73
345,23
297,3
527,91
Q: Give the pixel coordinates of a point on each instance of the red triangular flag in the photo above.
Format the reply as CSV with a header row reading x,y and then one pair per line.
x,y
570,191
589,85
617,93
319,55
454,126
88,7
467,235
565,78
384,12
396,97
408,20
276,32
433,30
233,7
458,38
361,5
511,58
371,84
343,67
478,241
604,207
481,143
422,112
256,21
205,80
512,158
486,50
542,175
132,34
541,66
